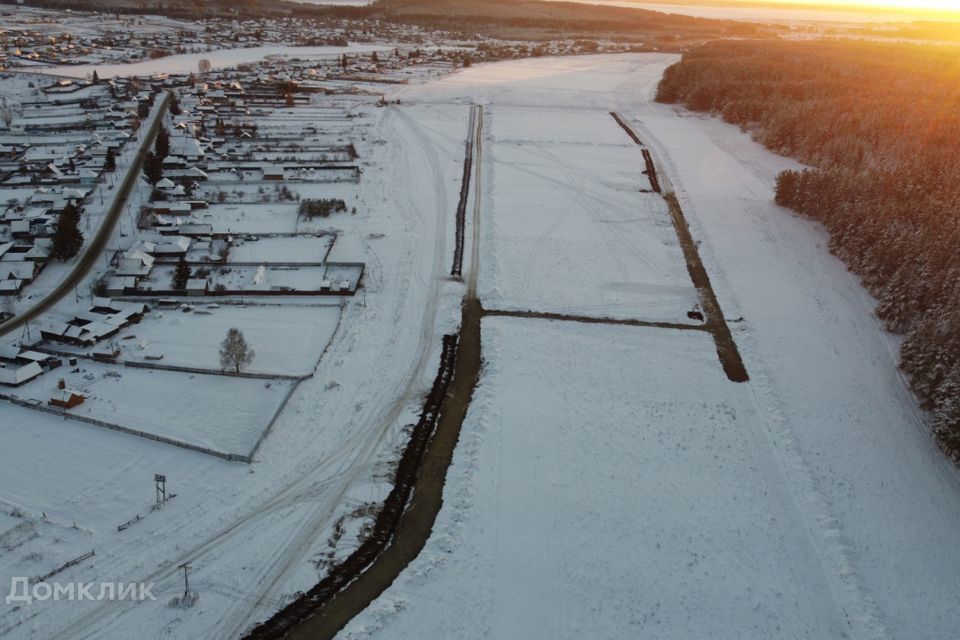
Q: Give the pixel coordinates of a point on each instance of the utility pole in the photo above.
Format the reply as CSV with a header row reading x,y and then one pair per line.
x,y
186,579
160,486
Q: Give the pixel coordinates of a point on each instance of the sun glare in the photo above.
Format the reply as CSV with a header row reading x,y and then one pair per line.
x,y
950,6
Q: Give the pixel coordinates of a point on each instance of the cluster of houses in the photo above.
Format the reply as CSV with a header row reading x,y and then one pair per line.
x,y
34,36
103,320
19,366
53,153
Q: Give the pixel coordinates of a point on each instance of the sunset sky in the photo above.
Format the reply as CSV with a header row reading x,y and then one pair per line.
x,y
896,4
941,5
917,9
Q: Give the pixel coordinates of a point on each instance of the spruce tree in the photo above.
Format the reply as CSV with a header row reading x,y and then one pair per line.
x,y
152,168
67,239
161,145
181,274
109,161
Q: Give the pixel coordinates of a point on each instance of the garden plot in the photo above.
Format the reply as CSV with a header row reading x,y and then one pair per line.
x,y
263,279
288,339
570,230
272,217
222,413
583,502
301,249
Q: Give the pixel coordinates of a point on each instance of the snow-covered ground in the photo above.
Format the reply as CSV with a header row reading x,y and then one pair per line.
x,y
569,229
610,483
252,531
219,59
216,412
288,339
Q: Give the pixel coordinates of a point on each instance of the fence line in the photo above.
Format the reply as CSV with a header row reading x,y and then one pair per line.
x,y
231,457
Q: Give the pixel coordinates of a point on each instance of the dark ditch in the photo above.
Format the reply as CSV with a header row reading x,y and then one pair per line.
x,y
405,521
716,322
457,269
565,317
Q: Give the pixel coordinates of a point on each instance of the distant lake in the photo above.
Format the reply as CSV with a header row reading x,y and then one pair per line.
x,y
754,14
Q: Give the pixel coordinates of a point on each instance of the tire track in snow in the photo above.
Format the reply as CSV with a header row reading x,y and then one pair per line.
x,y
316,481
305,536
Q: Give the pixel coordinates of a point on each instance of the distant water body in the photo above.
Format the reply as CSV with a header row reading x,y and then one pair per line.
x,y
754,14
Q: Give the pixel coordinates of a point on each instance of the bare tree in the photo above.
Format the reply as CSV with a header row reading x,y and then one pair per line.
x,y
234,351
203,66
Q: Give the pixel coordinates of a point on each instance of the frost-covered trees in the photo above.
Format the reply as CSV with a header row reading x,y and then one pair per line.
x,y
877,124
235,353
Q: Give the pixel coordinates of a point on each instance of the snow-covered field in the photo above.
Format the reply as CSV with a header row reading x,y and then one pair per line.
x,y
610,483
220,413
288,339
281,250
568,229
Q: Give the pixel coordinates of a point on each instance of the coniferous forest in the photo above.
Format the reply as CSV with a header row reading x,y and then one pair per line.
x,y
879,127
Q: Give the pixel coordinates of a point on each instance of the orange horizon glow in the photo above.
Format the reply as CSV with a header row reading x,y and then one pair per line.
x,y
922,6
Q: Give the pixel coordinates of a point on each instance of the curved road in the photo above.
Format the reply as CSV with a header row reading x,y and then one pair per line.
x,y
95,246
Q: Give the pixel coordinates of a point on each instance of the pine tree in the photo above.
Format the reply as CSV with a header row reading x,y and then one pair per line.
x,y
181,274
96,78
67,239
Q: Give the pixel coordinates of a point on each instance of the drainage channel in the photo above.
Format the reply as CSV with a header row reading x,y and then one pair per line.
x,y
716,322
406,521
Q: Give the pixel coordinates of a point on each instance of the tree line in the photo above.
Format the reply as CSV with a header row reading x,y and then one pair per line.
x,y
878,124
